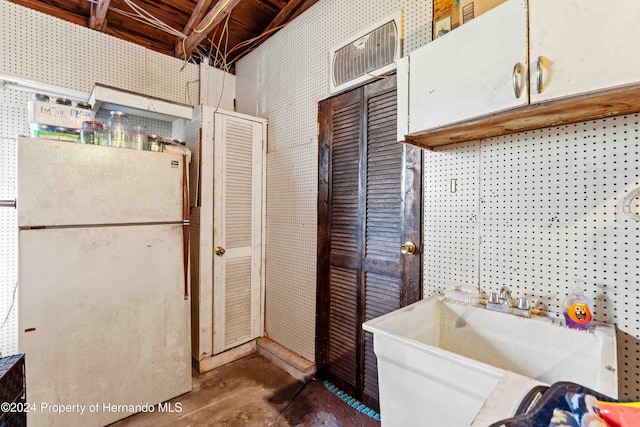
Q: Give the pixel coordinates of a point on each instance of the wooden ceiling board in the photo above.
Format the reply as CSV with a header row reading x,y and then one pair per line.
x,y
127,25
78,7
275,4
54,11
162,11
254,14
249,19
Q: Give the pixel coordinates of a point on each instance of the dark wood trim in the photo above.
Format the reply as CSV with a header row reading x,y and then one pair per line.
x,y
412,225
357,261
323,243
593,106
362,213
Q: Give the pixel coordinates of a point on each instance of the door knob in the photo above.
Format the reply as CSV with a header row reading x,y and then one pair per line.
x,y
220,251
408,248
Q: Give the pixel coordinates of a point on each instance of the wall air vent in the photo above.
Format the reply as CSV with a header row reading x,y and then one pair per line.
x,y
369,53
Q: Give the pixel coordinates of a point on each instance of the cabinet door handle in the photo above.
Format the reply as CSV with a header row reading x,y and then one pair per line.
x,y
517,69
539,74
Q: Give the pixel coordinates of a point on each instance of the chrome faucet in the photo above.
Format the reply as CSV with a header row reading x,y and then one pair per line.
x,y
502,301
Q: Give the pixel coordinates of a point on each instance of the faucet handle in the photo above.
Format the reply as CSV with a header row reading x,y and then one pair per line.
x,y
493,298
505,294
523,303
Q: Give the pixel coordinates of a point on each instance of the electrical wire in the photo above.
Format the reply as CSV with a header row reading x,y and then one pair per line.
x,y
220,59
152,20
195,30
225,30
224,58
147,18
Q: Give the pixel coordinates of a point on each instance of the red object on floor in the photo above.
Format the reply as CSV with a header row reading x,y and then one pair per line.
x,y
619,414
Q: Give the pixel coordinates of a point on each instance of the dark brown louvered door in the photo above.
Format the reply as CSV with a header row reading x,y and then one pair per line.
x,y
368,205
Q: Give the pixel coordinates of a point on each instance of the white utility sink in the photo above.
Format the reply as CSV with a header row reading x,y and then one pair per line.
x,y
447,364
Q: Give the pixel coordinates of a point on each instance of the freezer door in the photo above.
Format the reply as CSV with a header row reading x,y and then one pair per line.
x,y
102,320
64,183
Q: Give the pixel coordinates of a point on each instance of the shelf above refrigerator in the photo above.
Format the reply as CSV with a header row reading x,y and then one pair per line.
x,y
111,98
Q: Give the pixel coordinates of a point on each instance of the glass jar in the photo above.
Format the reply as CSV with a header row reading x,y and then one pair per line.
x,y
119,130
92,133
154,144
138,137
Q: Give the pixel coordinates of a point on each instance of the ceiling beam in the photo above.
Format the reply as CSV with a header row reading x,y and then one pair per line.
x,y
284,14
206,25
98,19
196,16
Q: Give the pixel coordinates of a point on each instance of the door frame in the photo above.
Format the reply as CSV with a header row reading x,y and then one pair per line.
x,y
202,256
411,195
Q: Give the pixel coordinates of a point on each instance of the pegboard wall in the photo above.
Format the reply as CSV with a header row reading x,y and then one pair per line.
x,y
39,47
537,210
54,51
283,80
13,121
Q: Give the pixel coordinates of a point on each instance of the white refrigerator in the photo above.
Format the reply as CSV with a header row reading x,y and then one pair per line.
x,y
103,286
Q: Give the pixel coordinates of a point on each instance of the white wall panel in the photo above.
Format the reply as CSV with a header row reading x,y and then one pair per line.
x,y
290,268
169,78
451,217
283,80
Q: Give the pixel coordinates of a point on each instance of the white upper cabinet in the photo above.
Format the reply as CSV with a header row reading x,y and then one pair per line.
x,y
477,69
583,46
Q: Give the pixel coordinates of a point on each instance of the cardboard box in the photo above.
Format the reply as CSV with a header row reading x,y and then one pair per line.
x,y
470,9
446,15
67,116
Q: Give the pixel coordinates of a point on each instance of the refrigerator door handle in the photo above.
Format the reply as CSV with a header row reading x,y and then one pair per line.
x,y
185,225
8,203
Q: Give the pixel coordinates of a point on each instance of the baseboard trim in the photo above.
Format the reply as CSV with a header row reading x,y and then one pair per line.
x,y
225,357
297,366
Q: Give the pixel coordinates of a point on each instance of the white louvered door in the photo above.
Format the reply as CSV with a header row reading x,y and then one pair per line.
x,y
237,239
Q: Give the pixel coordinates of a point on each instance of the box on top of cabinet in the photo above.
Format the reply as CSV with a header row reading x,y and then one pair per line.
x,y
445,17
470,9
67,116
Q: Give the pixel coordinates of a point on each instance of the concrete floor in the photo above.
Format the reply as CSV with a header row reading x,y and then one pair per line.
x,y
254,392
